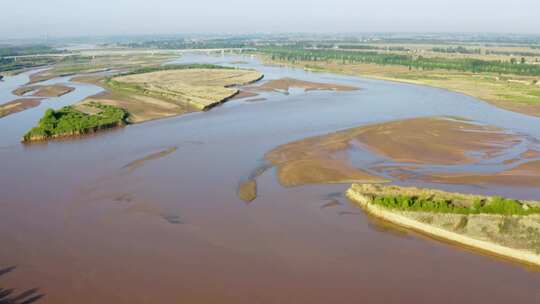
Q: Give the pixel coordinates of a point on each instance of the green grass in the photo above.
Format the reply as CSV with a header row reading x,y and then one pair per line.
x,y
495,205
69,121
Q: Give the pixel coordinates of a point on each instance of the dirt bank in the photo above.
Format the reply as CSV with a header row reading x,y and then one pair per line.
x,y
244,94
513,237
283,85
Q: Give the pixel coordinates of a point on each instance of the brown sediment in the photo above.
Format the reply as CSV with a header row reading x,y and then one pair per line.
x,y
247,191
318,160
523,108
523,175
512,237
141,161
18,105
89,79
23,90
244,94
530,154
256,99
320,171
331,203
55,90
431,140
284,84
41,76
434,140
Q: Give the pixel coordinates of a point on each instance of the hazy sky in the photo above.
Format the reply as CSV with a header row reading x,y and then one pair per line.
x,y
36,18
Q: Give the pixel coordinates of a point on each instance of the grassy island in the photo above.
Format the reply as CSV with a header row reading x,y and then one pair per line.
x,y
74,121
150,93
195,86
504,227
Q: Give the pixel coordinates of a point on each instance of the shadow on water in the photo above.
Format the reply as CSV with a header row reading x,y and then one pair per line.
x,y
12,296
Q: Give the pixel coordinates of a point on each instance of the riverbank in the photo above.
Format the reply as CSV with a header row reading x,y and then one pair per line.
x,y
511,92
507,235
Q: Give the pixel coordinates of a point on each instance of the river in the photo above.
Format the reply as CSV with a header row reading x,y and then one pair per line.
x,y
83,228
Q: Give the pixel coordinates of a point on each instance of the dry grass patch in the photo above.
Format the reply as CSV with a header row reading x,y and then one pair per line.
x,y
200,88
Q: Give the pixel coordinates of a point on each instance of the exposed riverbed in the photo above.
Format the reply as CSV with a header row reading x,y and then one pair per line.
x,y
84,224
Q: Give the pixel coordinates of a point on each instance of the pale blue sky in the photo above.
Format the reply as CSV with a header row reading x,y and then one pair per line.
x,y
36,18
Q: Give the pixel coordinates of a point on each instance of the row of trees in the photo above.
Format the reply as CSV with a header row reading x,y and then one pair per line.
x,y
456,50
416,62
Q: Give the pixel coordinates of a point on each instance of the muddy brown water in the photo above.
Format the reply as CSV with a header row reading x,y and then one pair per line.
x,y
81,227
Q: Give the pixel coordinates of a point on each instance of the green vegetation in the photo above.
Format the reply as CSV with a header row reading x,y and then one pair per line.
x,y
176,67
69,121
456,50
410,61
8,62
180,44
28,50
495,205
12,64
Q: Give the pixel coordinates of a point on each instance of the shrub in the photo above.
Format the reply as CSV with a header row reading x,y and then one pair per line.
x,y
496,205
69,121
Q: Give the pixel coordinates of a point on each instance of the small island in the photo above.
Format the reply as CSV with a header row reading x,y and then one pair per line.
x,y
504,227
18,105
75,121
55,90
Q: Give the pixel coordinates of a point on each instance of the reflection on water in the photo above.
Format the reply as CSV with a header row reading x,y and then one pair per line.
x,y
86,231
13,296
